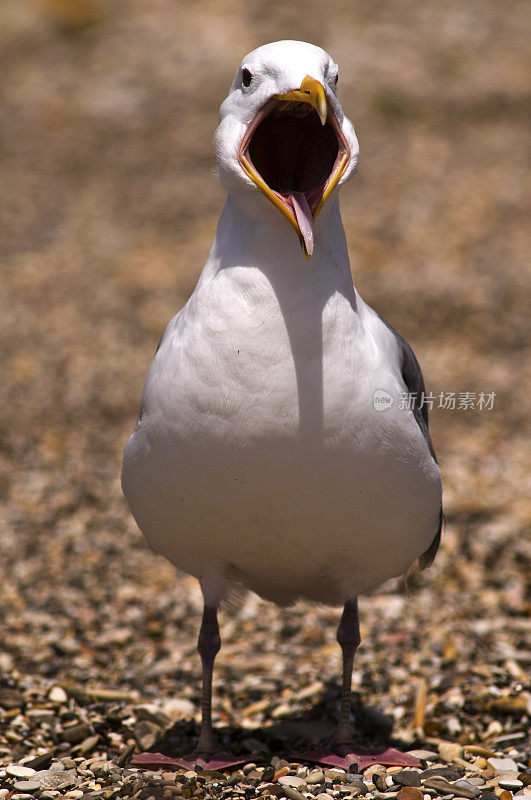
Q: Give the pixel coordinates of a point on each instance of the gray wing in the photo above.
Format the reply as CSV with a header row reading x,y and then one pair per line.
x,y
412,376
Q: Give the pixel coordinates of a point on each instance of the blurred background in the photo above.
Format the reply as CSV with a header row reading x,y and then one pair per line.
x,y
109,203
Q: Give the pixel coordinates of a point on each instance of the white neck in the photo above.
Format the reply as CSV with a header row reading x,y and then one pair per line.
x,y
252,233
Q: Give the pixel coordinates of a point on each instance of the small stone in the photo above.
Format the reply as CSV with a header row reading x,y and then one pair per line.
x,y
505,794
324,796
65,785
439,784
335,774
409,793
317,776
27,786
503,764
50,778
449,750
17,771
41,715
11,698
380,781
125,755
280,773
40,762
374,768
281,710
512,784
479,750
152,713
103,768
271,789
88,744
249,768
449,773
470,787
407,777
477,780
291,780
147,734
236,777
57,695
292,794
469,791
74,734
178,708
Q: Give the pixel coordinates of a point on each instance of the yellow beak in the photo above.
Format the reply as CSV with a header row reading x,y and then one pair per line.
x,y
312,92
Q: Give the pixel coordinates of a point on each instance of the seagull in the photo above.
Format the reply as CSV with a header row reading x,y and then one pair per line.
x,y
273,450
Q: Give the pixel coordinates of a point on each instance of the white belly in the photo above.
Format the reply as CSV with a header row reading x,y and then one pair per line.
x,y
268,466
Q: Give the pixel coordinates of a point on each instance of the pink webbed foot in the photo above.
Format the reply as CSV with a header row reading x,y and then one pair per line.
x,y
346,755
215,761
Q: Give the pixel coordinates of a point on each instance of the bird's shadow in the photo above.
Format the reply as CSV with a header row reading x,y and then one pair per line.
x,y
294,733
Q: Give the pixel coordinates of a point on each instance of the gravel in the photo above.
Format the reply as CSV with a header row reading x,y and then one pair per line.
x,y
110,207
407,778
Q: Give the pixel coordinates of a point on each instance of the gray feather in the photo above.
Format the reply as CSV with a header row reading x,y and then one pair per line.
x,y
412,377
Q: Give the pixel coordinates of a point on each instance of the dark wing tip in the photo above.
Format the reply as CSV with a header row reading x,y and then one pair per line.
x,y
427,558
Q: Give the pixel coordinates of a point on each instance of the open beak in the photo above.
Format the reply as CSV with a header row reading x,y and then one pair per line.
x,y
295,152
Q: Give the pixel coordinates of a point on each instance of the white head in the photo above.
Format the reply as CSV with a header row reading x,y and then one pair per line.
x,y
282,131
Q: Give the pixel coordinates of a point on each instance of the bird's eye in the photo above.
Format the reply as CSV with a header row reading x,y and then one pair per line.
x,y
336,78
246,77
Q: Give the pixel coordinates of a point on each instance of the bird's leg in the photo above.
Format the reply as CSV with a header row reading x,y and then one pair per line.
x,y
207,754
348,636
208,645
341,750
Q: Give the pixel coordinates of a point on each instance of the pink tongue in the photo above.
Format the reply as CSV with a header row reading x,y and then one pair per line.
x,y
304,218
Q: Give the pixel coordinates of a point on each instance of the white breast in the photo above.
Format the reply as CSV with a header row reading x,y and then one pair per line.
x,y
259,457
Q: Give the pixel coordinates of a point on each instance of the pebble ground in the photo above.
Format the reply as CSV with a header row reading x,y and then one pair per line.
x,y
109,207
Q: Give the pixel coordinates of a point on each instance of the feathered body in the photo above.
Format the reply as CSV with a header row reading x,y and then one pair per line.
x,y
259,457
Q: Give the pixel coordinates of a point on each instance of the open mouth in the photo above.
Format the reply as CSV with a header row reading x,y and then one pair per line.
x,y
295,152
